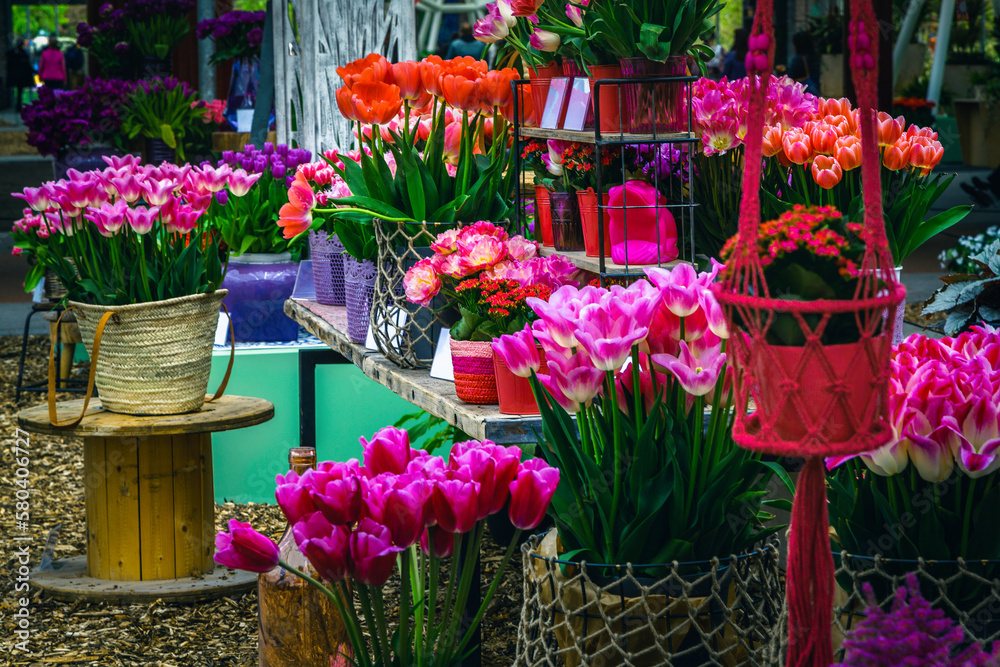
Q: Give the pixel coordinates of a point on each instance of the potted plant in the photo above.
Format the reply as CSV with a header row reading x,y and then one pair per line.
x,y
162,111
154,28
140,264
971,297
262,264
932,485
637,366
237,36
404,510
77,128
107,42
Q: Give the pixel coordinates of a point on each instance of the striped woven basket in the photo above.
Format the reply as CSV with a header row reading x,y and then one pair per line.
x,y
475,380
155,357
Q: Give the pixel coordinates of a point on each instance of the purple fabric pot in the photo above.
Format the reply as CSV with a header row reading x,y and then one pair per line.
x,y
259,284
567,229
328,268
359,290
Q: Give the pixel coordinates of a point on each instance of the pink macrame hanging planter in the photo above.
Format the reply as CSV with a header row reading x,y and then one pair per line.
x,y
815,400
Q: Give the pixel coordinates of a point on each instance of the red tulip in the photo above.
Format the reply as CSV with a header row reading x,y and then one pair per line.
x,y
327,546
460,88
826,171
455,503
345,104
925,153
525,7
431,69
496,87
243,548
531,493
406,76
372,553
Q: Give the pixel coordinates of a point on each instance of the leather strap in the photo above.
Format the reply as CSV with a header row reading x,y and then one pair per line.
x,y
90,379
232,356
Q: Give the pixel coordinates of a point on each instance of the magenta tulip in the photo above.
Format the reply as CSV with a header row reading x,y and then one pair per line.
x,y
240,182
243,548
506,461
444,543
680,288
293,497
608,335
372,553
141,219
531,492
403,510
158,193
388,451
335,490
575,378
697,376
455,503
519,351
328,547
36,198
128,188
979,439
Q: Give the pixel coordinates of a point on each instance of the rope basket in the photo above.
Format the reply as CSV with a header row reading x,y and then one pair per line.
x,y
327,255
407,334
967,591
475,377
54,290
720,612
155,358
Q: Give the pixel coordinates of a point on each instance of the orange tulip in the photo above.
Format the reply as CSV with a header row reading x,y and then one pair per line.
x,y
345,104
914,131
525,106
897,156
832,107
373,67
826,171
889,129
431,69
848,152
797,146
481,66
925,153
824,138
840,123
406,76
460,88
376,102
496,87
772,140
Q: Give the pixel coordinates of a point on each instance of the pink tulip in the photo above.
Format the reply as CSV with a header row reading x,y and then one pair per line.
x,y
573,381
444,543
697,376
455,504
544,40
388,451
477,466
531,492
492,27
680,287
243,548
372,553
625,380
36,198
979,438
240,182
607,339
636,303
575,15
293,497
403,510
108,218
335,490
128,188
141,219
519,352
327,546
158,193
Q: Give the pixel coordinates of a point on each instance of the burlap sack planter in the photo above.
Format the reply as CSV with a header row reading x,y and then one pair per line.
x,y
679,614
154,357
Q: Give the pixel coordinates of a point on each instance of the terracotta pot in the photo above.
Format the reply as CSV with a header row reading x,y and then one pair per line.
x,y
796,391
541,79
475,381
587,200
513,392
608,106
543,215
654,107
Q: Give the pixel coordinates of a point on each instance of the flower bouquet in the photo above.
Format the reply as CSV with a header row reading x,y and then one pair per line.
x,y
163,111
403,510
637,367
237,34
134,244
107,42
930,492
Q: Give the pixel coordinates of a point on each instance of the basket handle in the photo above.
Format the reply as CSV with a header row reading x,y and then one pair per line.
x,y
98,334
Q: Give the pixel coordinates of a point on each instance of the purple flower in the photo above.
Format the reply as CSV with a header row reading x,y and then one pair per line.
x,y
255,38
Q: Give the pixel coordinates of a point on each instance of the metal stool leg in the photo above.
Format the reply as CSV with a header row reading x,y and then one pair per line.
x,y
24,350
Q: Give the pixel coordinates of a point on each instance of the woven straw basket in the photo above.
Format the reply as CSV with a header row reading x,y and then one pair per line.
x,y
154,358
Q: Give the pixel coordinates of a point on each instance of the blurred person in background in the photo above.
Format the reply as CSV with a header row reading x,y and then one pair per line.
x,y
74,66
19,72
52,65
465,44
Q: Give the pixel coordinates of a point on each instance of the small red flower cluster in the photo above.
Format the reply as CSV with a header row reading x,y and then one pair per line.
x,y
500,300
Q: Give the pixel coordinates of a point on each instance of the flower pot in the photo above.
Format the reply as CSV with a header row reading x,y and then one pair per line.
x,y
543,213
654,107
581,615
514,393
608,106
587,201
327,255
475,381
258,285
153,66
154,357
571,68
567,231
541,79
641,227
81,158
798,389
157,152
359,289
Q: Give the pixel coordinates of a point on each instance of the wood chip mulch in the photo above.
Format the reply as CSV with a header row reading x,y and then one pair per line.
x,y
213,633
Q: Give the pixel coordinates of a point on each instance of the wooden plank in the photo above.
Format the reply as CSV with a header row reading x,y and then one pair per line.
x,y
227,413
580,260
414,385
156,507
95,483
123,509
188,501
589,136
207,505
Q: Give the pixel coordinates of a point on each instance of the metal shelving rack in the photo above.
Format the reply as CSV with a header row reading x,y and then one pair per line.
x,y
678,193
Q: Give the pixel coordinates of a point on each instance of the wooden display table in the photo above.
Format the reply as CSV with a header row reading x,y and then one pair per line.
x,y
150,501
